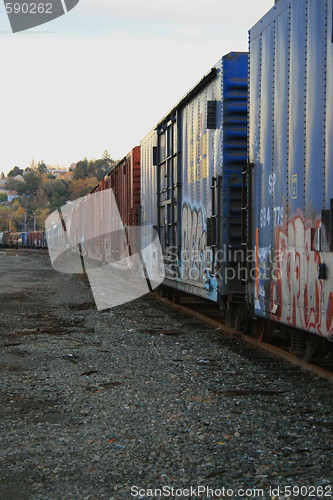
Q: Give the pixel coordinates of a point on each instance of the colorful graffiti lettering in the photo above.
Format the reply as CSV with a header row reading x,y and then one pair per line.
x,y
297,296
194,238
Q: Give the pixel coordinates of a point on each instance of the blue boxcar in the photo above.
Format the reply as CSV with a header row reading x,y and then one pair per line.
x,y
193,176
24,238
291,152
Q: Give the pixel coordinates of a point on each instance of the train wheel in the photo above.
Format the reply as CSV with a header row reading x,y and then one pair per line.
x,y
309,347
159,291
175,296
241,318
297,343
314,349
222,305
262,329
230,316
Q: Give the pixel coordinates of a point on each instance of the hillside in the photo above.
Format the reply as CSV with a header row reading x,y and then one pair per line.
x,y
28,196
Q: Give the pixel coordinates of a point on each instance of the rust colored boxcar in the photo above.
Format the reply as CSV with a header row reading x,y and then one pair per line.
x,y
94,223
124,179
35,239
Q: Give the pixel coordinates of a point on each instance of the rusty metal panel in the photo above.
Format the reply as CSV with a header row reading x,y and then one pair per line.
x,y
125,182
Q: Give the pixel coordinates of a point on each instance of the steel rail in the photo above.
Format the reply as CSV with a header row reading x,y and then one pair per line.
x,y
264,346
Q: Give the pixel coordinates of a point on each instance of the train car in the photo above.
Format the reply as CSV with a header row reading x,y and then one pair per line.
x,y
92,227
98,220
24,239
11,239
36,239
148,188
290,173
196,197
100,234
124,180
5,237
15,239
44,240
148,207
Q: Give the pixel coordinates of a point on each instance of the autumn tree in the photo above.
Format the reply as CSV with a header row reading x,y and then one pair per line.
x,y
56,201
59,186
57,191
81,170
41,198
81,187
5,213
13,184
106,156
18,216
32,181
41,167
15,171
41,216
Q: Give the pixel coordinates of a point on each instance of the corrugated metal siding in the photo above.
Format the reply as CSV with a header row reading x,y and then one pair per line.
x,y
290,144
199,164
328,108
124,179
148,181
188,158
234,159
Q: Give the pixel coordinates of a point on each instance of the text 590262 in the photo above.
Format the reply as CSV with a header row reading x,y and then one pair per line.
x,y
29,8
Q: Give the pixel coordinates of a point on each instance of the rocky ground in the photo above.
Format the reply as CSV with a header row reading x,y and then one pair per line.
x,y
117,404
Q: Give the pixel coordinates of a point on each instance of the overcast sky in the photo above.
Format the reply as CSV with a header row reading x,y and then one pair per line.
x,y
102,75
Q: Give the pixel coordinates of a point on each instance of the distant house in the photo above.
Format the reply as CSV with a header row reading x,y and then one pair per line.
x,y
19,178
3,187
56,171
10,193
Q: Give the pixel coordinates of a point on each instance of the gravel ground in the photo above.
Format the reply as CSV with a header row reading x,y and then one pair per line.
x,y
96,403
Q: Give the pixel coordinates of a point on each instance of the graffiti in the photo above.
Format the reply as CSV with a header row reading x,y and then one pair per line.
x,y
297,297
263,264
194,238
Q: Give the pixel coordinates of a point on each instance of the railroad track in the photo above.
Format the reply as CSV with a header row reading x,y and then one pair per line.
x,y
210,314
22,251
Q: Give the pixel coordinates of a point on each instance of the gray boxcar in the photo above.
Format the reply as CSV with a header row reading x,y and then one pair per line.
x,y
192,183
